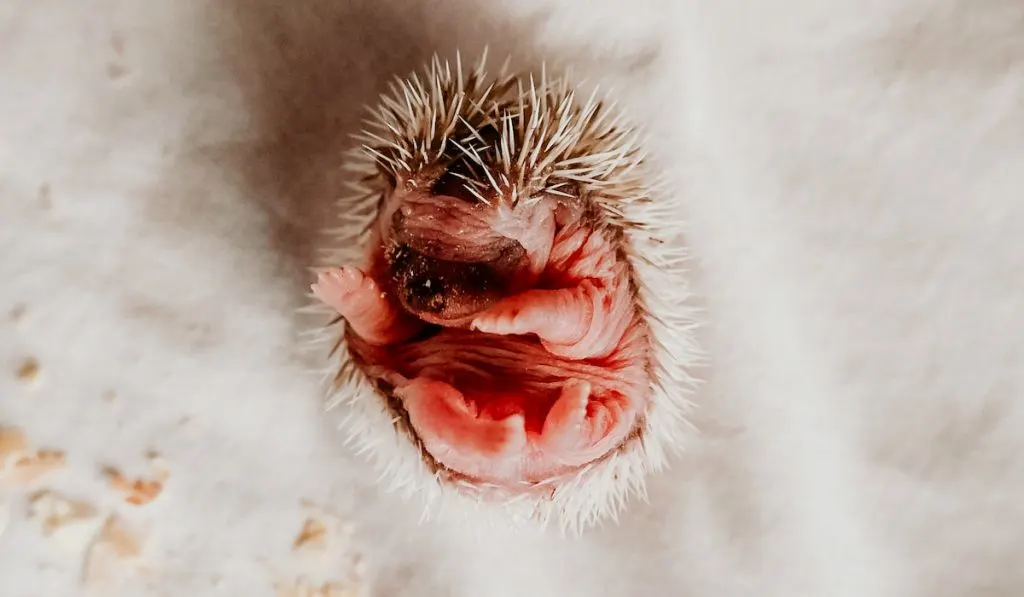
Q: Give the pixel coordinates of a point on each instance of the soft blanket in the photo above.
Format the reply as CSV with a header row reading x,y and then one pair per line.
x,y
853,174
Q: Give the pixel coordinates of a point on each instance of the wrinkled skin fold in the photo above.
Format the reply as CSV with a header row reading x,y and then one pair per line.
x,y
505,299
509,333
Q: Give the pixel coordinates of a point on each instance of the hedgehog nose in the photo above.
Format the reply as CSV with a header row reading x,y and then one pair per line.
x,y
439,289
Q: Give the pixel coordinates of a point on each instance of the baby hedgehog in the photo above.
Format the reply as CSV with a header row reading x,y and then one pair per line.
x,y
509,322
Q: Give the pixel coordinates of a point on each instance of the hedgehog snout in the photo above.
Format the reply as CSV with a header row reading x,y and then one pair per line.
x,y
425,293
445,291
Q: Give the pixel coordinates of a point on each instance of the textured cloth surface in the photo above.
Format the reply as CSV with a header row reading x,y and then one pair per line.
x,y
852,173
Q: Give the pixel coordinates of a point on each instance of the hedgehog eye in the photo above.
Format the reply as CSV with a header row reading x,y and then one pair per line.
x,y
459,180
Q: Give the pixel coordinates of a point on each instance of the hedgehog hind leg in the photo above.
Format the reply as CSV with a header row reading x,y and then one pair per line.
x,y
359,299
455,432
560,316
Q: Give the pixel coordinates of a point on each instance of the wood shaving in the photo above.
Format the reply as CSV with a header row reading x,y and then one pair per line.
x,y
55,510
22,465
136,492
28,371
68,522
332,521
27,469
120,538
312,536
99,568
12,443
106,556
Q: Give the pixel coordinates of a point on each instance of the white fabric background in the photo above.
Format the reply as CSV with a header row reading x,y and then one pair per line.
x,y
854,177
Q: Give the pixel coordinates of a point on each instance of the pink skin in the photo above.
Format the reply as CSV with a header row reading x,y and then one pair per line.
x,y
358,298
577,307
582,321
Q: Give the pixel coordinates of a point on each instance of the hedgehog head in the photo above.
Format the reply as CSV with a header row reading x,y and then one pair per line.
x,y
509,316
450,255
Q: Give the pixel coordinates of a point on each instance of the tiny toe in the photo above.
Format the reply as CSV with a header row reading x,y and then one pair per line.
x,y
446,421
351,277
358,299
494,323
335,288
563,426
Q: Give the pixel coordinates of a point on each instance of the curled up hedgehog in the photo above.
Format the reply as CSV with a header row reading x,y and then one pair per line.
x,y
508,315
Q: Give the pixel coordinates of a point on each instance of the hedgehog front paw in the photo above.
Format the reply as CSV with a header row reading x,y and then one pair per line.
x,y
365,306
